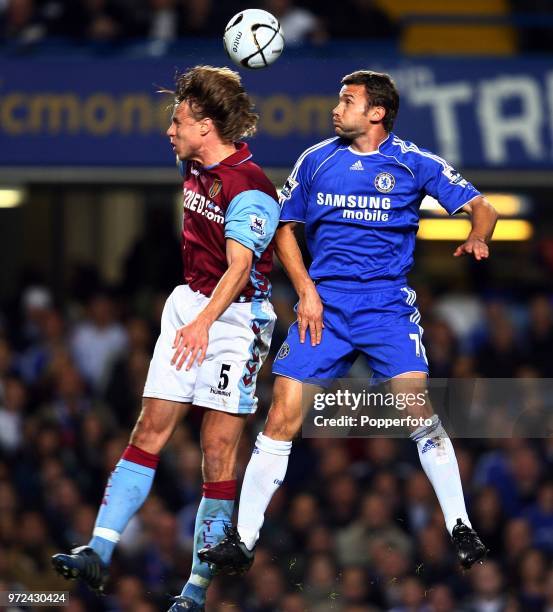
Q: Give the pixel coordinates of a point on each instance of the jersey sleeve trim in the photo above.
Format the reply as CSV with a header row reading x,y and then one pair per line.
x,y
251,219
294,220
478,195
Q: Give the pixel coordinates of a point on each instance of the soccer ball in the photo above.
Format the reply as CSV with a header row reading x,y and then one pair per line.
x,y
253,39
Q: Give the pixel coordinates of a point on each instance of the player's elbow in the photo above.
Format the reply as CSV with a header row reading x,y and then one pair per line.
x,y
492,213
481,204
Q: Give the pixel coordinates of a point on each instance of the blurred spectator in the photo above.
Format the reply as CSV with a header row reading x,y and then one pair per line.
x,y
103,20
462,312
161,554
320,580
487,584
299,25
517,540
498,356
531,572
69,404
436,561
304,512
12,412
82,525
375,523
36,303
29,562
48,342
355,586
321,541
342,497
442,348
127,374
206,17
548,591
391,566
360,19
540,336
6,362
515,474
153,263
98,340
334,460
540,518
129,593
293,602
487,518
441,598
21,23
267,589
165,20
420,498
412,596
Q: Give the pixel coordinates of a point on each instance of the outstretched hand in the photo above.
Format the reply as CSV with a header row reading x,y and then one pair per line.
x,y
473,246
190,343
310,315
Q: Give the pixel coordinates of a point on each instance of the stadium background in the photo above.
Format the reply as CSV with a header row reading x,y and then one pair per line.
x,y
89,217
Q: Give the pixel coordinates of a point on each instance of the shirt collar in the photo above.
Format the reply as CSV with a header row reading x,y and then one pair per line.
x,y
241,155
386,142
382,146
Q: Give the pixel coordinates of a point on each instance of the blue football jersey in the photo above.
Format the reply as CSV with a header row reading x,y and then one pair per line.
x,y
361,210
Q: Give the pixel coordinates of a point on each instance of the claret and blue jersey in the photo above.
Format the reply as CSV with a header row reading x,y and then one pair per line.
x,y
361,211
361,215
232,199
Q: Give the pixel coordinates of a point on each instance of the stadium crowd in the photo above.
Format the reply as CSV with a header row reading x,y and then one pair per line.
x,y
31,21
356,526
156,27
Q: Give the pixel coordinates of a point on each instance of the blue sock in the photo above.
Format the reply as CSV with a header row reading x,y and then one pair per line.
x,y
128,486
214,512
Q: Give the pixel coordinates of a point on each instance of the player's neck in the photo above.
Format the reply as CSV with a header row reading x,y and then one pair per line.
x,y
369,142
215,153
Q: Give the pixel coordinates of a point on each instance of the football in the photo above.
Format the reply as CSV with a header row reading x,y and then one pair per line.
x,y
253,39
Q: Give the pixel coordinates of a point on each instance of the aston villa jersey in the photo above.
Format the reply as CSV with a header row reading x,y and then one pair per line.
x,y
232,199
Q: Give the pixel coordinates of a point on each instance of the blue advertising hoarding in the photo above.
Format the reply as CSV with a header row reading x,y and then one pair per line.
x,y
477,113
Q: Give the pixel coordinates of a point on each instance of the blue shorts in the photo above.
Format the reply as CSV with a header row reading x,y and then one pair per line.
x,y
382,324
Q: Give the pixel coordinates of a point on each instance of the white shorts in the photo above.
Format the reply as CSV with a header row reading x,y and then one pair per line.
x,y
238,344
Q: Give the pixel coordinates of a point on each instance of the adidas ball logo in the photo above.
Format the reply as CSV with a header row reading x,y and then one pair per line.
x,y
357,165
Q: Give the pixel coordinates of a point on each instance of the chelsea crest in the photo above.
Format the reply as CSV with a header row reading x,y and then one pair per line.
x,y
384,182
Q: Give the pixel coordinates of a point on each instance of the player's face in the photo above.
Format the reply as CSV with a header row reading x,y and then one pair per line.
x,y
185,132
352,116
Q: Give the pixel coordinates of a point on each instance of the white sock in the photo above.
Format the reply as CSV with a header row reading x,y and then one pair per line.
x,y
264,475
439,462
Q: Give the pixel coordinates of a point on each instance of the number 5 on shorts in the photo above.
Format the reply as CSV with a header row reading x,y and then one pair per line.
x,y
223,376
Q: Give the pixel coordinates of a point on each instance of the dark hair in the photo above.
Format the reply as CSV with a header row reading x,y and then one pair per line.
x,y
217,93
381,91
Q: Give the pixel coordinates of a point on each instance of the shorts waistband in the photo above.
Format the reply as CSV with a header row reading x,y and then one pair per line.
x,y
350,286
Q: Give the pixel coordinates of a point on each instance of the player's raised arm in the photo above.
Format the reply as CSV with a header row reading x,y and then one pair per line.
x,y
310,308
483,218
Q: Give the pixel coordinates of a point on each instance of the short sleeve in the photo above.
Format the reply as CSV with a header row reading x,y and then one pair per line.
x,y
251,219
294,195
444,183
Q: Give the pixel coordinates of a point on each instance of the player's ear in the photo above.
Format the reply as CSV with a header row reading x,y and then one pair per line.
x,y
206,125
377,114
